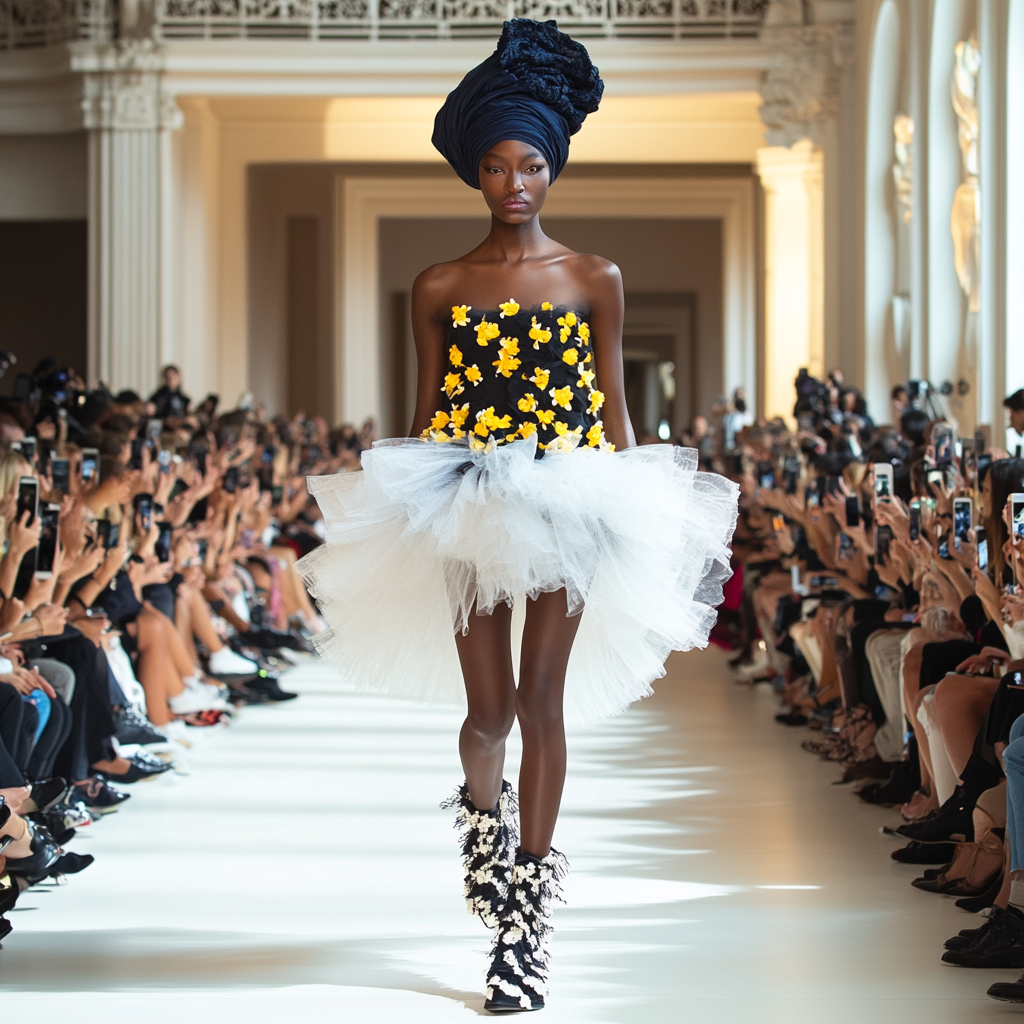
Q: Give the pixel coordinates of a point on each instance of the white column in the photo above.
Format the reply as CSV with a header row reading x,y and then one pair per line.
x,y
794,270
129,170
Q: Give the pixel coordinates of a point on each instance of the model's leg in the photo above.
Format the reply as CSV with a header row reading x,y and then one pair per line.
x,y
485,653
547,642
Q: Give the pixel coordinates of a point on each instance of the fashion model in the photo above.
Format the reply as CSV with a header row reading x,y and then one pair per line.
x,y
519,488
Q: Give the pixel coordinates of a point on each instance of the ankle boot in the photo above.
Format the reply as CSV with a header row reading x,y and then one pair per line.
x,y
488,840
517,979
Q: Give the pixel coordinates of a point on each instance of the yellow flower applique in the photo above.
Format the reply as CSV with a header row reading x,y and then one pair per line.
x,y
586,377
562,397
486,332
459,414
527,403
584,334
540,378
455,356
487,420
440,420
569,356
473,374
507,360
569,320
561,429
539,334
563,334
546,306
527,429
453,385
509,308
596,401
545,416
595,435
460,315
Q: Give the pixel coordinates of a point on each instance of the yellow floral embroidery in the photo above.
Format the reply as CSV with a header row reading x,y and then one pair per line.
x,y
545,416
595,435
473,374
586,377
596,401
453,385
527,403
527,429
509,308
546,306
584,334
562,397
487,420
561,429
563,334
539,334
486,332
569,356
507,360
459,415
540,378
460,315
440,420
455,356
569,320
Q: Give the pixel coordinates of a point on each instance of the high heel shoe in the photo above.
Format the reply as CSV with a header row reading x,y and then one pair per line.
x,y
45,795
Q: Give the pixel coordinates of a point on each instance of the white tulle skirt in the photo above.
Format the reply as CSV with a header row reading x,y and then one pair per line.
x,y
430,534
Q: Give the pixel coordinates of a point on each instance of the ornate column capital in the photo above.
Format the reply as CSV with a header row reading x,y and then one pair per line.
x,y
801,87
123,87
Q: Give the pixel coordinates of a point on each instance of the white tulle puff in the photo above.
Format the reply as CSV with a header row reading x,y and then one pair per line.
x,y
429,533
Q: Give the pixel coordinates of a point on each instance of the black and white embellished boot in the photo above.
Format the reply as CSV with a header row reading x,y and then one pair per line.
x,y
517,979
489,840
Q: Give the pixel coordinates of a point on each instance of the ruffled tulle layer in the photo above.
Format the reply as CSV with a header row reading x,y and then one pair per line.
x,y
428,534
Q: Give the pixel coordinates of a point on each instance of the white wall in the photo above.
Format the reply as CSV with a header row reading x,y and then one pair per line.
x,y
43,177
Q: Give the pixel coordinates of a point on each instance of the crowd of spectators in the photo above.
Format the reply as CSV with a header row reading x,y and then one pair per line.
x,y
878,589
147,590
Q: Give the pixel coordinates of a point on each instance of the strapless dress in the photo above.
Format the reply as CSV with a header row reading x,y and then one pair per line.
x,y
512,491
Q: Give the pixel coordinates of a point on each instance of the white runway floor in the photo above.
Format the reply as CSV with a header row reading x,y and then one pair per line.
x,y
303,873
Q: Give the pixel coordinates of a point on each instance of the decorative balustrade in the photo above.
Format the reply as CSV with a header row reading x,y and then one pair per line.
x,y
34,23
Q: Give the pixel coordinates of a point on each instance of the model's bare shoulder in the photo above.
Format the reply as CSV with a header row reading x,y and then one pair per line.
x,y
598,278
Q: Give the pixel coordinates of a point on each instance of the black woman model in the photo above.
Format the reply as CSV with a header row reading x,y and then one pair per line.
x,y
520,486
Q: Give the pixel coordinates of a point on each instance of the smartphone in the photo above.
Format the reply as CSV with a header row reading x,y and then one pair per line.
x,y
883,481
202,546
164,458
1016,503
846,547
28,499
60,474
852,511
135,462
824,582
936,477
90,466
276,494
962,517
28,449
968,461
812,499
154,428
144,509
883,538
944,442
231,479
1014,679
163,542
766,476
915,520
791,474
199,512
49,515
981,539
109,533
944,547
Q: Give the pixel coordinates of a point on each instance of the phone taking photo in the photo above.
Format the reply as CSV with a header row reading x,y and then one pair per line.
x,y
90,466
164,458
883,482
915,520
846,547
144,510
28,499
944,442
46,552
883,538
963,518
852,511
981,539
60,475
163,542
231,479
28,449
1016,503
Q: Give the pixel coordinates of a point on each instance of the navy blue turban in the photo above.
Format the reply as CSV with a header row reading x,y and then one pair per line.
x,y
537,87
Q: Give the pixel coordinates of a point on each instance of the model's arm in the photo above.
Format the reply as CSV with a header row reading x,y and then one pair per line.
x,y
428,332
606,310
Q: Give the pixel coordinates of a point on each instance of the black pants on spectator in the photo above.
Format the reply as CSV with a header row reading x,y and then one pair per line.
x,y
54,736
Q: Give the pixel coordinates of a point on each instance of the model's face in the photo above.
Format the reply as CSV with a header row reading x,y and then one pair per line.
x,y
172,379
514,178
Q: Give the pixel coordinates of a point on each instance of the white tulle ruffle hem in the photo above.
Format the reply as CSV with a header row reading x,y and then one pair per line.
x,y
430,533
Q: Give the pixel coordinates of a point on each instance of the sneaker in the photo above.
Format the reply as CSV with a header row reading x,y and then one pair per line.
x,y
96,793
135,728
226,663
